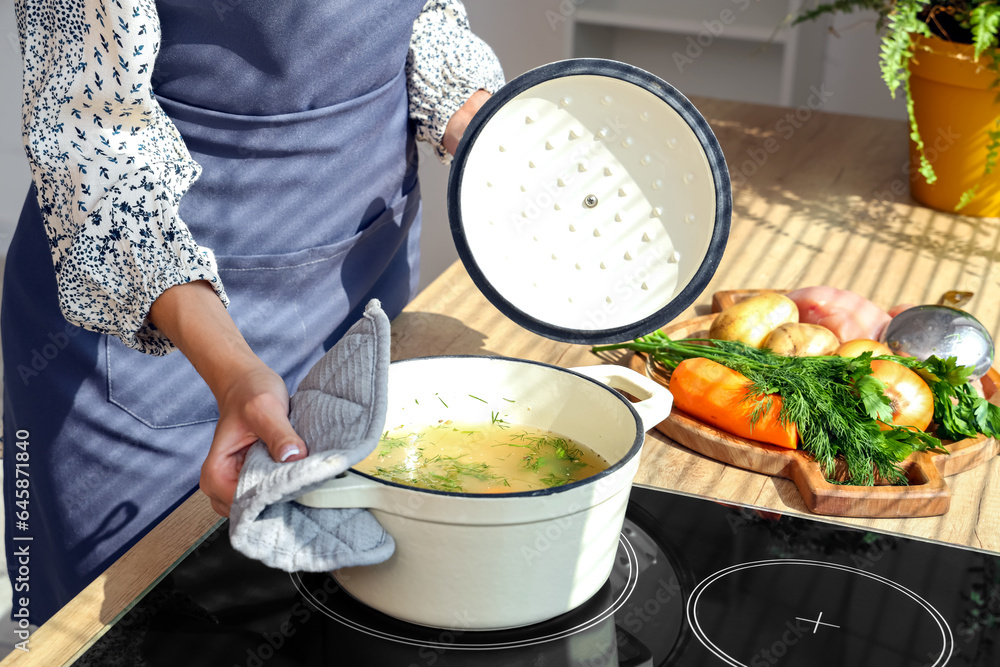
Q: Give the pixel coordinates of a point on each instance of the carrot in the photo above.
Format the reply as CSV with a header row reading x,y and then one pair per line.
x,y
717,395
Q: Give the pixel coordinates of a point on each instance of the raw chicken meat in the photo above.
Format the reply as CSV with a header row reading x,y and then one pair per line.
x,y
898,308
846,314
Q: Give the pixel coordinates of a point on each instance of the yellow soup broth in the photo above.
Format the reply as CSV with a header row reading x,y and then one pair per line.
x,y
491,458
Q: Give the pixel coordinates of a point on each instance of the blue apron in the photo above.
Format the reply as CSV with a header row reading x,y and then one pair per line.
x,y
297,113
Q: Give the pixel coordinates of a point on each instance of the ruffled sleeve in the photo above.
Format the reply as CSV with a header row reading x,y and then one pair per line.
x,y
109,166
446,64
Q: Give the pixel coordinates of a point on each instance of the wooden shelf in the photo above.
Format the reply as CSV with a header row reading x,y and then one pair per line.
x,y
731,69
680,25
739,50
762,16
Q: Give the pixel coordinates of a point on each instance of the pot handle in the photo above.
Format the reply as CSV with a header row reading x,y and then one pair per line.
x,y
346,491
655,400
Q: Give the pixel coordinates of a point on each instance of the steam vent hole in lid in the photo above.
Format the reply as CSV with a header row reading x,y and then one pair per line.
x,y
588,203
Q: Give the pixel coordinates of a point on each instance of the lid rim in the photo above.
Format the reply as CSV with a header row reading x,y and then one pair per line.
x,y
706,138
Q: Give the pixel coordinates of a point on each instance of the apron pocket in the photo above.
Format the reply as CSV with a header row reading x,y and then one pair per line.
x,y
286,306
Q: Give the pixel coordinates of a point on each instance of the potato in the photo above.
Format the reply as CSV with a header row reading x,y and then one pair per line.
x,y
801,340
751,320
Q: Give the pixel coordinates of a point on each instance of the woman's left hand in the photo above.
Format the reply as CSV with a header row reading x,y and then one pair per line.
x,y
460,120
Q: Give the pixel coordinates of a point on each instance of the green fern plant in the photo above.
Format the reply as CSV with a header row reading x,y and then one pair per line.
x,y
974,22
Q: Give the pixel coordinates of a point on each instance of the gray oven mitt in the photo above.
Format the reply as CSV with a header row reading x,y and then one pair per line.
x,y
339,410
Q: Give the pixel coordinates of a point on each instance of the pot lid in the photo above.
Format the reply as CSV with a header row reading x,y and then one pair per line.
x,y
589,201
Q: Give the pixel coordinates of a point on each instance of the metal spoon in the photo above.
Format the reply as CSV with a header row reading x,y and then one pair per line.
x,y
944,332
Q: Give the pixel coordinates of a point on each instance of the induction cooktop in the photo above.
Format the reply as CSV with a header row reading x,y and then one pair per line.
x,y
695,583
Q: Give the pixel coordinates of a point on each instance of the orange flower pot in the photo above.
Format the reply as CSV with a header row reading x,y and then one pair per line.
x,y
954,108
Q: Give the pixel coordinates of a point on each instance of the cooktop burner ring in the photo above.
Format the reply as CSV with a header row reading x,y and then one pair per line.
x,y
609,611
947,638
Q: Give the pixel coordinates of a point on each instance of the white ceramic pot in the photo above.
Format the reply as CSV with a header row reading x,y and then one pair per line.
x,y
468,561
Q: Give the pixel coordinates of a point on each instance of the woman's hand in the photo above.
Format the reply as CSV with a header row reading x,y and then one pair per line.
x,y
252,399
460,120
255,407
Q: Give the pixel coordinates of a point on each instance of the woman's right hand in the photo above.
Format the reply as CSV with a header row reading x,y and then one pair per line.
x,y
254,407
252,399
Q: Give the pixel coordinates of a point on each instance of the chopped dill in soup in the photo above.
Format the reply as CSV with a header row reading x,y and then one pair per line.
x,y
490,458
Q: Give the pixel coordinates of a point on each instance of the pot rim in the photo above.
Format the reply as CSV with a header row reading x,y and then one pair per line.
x,y
633,451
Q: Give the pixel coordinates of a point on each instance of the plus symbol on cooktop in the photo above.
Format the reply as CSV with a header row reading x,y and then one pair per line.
x,y
817,622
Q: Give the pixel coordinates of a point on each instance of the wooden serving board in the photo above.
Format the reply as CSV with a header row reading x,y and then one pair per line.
x,y
926,495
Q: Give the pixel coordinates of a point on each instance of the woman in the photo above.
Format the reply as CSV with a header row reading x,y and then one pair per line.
x,y
280,181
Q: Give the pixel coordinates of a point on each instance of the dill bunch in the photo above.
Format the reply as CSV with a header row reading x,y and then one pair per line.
x,y
836,403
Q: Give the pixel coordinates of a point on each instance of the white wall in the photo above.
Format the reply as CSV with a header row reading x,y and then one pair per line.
x,y
850,69
525,34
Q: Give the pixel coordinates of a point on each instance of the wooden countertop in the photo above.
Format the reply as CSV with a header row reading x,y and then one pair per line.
x,y
818,199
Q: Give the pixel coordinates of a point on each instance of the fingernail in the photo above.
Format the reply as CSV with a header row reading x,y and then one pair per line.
x,y
288,451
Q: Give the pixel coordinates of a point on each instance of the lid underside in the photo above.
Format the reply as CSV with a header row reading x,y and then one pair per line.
x,y
590,201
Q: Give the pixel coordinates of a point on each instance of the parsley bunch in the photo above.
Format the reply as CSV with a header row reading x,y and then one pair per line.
x,y
959,411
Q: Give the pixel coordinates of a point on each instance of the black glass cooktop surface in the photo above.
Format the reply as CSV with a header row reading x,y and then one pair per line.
x,y
695,584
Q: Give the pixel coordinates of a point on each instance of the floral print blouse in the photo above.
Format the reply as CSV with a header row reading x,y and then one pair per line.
x,y
110,168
